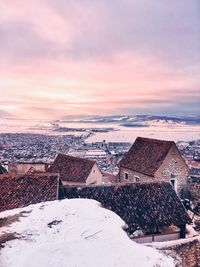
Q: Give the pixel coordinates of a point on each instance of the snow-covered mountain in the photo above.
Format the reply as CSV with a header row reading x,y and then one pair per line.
x,y
137,120
68,233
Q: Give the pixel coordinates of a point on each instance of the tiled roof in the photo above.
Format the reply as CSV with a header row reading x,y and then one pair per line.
x,y
145,206
2,169
72,169
146,155
18,191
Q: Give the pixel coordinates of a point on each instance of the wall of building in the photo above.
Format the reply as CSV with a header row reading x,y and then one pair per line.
x,y
95,176
186,254
132,174
174,167
22,168
156,238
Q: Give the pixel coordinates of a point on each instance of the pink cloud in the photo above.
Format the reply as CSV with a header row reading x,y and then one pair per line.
x,y
65,57
47,23
121,81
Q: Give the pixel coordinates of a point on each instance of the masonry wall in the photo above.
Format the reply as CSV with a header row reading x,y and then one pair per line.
x,y
22,168
174,167
186,254
95,176
156,238
131,176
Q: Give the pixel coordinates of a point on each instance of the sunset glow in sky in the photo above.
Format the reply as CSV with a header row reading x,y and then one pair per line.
x,y
99,57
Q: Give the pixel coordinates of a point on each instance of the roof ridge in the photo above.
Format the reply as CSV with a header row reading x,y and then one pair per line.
x,y
121,184
154,140
18,175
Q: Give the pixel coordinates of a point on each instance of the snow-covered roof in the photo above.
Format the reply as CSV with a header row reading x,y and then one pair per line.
x,y
147,206
71,233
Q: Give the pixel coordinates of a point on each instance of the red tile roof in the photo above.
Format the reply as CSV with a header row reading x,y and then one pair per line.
x,y
18,191
146,155
146,206
72,169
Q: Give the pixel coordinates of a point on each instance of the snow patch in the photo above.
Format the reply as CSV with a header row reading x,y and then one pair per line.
x,y
76,232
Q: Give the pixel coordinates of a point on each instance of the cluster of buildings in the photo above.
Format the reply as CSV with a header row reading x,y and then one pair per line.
x,y
191,153
153,177
107,155
35,147
44,148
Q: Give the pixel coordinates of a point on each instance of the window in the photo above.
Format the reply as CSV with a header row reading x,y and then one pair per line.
x,y
93,183
137,178
125,176
174,183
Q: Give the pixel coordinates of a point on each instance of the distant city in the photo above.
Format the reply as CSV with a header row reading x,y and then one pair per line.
x,y
104,139
16,147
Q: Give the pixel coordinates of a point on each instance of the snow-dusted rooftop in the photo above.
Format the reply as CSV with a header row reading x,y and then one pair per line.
x,y
68,233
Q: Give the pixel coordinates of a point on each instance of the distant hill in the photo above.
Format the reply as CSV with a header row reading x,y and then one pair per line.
x,y
137,120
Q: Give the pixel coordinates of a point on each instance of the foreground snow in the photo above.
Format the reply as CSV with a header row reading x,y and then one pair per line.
x,y
78,233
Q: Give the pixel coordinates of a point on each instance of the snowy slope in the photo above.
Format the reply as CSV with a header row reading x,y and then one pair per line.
x,y
143,119
73,233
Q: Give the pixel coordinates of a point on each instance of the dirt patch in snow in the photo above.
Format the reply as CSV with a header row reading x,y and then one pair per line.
x,y
54,222
7,221
6,237
4,222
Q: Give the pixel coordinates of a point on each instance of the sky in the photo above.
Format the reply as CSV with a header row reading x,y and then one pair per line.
x,y
99,57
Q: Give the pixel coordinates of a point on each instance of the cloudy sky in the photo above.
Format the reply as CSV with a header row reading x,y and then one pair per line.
x,y
99,57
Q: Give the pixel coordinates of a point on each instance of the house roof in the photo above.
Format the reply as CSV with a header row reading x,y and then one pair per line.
x,y
145,206
22,190
146,155
2,169
72,169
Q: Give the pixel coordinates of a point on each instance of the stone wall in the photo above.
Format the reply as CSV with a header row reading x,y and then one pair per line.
x,y
95,176
174,167
186,253
23,168
131,176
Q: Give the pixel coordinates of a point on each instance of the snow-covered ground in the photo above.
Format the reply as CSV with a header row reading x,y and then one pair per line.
x,y
126,134
159,129
73,233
